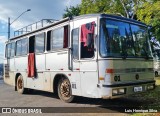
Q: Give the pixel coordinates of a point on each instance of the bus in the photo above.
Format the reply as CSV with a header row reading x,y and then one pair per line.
x,y
156,57
95,56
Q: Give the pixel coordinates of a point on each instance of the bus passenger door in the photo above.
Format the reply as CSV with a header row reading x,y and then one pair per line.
x,y
74,62
88,62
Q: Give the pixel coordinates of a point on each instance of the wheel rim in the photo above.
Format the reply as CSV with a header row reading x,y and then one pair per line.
x,y
65,89
20,84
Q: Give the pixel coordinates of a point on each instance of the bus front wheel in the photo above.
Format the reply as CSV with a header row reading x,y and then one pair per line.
x,y
64,90
20,85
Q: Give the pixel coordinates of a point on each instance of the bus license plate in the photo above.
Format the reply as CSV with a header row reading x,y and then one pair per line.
x,y
137,89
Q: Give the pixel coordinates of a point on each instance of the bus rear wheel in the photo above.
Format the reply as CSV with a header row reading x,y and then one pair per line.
x,y
64,90
20,85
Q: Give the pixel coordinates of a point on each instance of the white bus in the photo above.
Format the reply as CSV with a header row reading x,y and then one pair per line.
x,y
95,56
156,57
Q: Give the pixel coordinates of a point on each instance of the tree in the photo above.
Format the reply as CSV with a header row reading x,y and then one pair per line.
x,y
149,13
72,11
125,8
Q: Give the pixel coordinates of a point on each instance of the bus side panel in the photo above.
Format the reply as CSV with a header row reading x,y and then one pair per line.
x,y
89,79
37,82
21,64
6,73
12,71
9,71
57,61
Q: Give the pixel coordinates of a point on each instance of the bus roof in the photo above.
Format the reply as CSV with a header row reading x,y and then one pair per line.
x,y
80,17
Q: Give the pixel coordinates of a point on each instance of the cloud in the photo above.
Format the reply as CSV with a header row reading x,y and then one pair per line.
x,y
3,39
40,9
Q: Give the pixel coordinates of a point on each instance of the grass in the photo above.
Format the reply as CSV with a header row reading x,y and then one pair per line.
x,y
151,100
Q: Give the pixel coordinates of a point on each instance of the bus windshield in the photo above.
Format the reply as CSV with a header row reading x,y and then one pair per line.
x,y
125,40
156,54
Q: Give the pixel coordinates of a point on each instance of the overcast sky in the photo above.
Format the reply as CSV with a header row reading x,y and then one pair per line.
x,y
40,9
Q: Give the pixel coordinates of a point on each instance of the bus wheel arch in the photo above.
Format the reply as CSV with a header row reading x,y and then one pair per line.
x,y
16,77
62,81
56,80
20,84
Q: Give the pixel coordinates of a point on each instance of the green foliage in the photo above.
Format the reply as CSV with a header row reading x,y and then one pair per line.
x,y
101,6
149,13
71,11
126,8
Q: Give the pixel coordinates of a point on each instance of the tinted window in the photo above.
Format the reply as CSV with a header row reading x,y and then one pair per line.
x,y
39,43
75,40
48,40
31,44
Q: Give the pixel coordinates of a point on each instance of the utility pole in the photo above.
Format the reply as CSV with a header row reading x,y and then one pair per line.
x,y
10,23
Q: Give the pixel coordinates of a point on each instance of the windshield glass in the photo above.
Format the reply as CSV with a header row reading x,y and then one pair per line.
x,y
156,54
120,39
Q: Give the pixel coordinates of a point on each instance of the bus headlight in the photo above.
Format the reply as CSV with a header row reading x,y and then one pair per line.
x,y
119,91
122,91
115,91
149,87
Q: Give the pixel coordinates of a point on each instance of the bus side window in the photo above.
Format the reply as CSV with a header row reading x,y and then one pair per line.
x,y
12,49
24,45
31,44
87,40
59,38
18,48
75,41
65,41
39,43
48,40
21,47
8,50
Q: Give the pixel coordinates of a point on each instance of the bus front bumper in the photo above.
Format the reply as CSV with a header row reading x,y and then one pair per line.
x,y
123,89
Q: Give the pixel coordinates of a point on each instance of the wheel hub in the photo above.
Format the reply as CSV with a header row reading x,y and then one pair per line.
x,y
20,83
65,89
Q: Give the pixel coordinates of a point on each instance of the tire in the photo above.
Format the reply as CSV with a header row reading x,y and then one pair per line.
x,y
20,85
64,90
